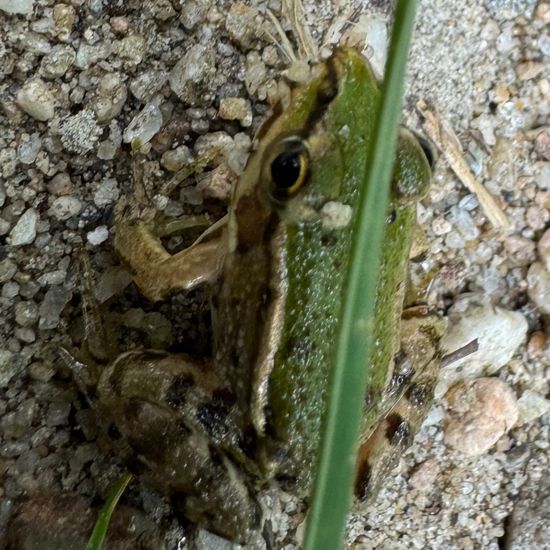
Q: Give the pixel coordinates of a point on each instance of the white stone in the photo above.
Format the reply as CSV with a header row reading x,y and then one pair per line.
x,y
23,7
532,405
190,76
538,286
144,125
110,98
98,235
499,333
65,207
36,99
106,193
24,230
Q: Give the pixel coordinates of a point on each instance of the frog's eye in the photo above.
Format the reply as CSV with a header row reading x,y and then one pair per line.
x,y
288,167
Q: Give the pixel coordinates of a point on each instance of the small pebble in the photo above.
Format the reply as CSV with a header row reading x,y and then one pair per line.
x,y
10,366
531,406
106,193
24,231
23,7
175,159
132,49
529,70
376,43
29,146
192,13
536,344
499,333
542,143
119,24
241,24
236,108
217,184
26,313
57,61
57,414
110,98
98,235
64,17
55,299
191,75
60,184
144,125
147,84
538,286
522,250
7,270
537,217
65,207
112,282
36,99
424,476
480,414
543,248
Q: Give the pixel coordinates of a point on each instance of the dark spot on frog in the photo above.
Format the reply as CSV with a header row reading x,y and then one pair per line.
x,y
397,430
418,394
403,371
329,240
177,392
287,482
213,416
113,433
248,443
182,428
132,409
362,480
224,396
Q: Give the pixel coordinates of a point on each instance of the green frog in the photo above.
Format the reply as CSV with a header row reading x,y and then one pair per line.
x,y
211,434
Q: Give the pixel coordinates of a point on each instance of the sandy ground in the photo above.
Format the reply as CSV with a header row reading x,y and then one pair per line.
x,y
79,80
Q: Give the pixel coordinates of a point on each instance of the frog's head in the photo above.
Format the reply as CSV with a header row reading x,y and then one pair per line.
x,y
311,154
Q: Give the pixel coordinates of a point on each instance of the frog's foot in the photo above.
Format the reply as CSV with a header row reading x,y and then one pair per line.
x,y
379,452
182,424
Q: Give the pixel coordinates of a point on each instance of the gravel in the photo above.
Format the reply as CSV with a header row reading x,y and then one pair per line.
x,y
79,81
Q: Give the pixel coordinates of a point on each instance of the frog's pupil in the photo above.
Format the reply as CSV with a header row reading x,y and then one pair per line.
x,y
285,169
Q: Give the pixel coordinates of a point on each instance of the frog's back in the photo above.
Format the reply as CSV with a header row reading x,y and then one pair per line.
x,y
290,243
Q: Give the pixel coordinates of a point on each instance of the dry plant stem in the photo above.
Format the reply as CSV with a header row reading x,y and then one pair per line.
x,y
447,142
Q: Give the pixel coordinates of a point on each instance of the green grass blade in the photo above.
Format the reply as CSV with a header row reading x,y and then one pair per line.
x,y
102,524
335,475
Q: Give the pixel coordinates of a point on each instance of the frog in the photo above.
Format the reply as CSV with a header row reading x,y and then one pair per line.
x,y
212,434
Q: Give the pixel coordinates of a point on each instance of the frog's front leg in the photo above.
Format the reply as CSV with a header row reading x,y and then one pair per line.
x,y
156,271
138,229
179,420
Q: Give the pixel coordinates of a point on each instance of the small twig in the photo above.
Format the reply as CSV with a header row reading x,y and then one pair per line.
x,y
460,353
447,142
